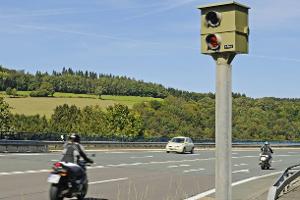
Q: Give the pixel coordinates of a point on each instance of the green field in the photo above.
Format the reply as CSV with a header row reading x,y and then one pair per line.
x,y
45,105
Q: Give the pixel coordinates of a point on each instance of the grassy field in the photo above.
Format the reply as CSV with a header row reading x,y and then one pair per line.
x,y
45,105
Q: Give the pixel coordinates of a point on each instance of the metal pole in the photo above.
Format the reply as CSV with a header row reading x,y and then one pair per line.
x,y
223,177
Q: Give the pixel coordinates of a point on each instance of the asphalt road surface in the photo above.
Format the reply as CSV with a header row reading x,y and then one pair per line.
x,y
144,174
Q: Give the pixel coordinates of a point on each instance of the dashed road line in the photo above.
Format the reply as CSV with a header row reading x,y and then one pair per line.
x,y
172,166
243,164
184,165
108,181
193,170
134,157
241,171
116,152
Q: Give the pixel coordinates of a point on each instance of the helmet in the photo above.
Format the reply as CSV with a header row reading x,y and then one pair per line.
x,y
75,137
266,143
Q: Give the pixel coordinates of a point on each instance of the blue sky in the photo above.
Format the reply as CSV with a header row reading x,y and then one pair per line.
x,y
155,41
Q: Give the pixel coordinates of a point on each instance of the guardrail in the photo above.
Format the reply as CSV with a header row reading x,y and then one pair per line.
x,y
284,182
44,146
18,146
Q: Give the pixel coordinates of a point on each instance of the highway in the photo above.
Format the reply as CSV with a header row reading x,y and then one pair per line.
x,y
145,174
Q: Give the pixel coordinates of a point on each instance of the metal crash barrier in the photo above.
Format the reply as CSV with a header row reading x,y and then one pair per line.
x,y
22,146
284,183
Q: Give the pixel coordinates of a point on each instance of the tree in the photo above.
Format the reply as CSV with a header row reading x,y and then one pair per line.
x,y
4,116
122,122
8,91
46,89
99,91
14,92
65,119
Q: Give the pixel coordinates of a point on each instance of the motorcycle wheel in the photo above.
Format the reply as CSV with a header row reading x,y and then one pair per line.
x,y
55,193
83,192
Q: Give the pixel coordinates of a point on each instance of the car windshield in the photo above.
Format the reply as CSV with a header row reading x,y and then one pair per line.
x,y
178,140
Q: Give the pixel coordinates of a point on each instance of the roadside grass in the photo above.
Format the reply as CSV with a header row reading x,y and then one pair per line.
x,y
46,105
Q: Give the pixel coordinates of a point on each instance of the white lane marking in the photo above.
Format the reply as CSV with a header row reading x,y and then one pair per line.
x,y
172,166
109,180
29,154
118,165
184,165
44,170
234,157
241,171
138,163
24,172
277,161
141,157
117,152
32,171
243,164
233,153
97,167
193,170
17,172
204,194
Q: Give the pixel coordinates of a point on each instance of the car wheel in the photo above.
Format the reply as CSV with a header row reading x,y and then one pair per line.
x,y
192,151
183,150
168,151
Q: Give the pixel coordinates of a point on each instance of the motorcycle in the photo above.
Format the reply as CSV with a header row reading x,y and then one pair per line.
x,y
265,161
68,180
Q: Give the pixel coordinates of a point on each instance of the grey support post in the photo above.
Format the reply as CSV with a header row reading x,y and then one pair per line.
x,y
223,125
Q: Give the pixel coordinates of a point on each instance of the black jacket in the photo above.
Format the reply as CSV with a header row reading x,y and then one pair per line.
x,y
266,149
73,152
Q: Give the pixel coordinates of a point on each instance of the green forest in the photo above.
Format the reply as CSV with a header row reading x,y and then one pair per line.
x,y
180,113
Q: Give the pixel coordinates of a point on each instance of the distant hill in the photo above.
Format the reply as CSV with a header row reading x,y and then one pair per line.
x,y
85,82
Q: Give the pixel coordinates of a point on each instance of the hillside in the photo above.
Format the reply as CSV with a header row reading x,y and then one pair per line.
x,y
46,105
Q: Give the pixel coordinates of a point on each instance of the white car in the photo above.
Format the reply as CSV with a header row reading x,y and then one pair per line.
x,y
180,145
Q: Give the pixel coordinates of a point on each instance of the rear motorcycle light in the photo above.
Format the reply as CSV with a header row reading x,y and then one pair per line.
x,y
57,165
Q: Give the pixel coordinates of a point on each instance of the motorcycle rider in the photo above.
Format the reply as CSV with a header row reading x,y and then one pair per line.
x,y
72,153
73,150
266,149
